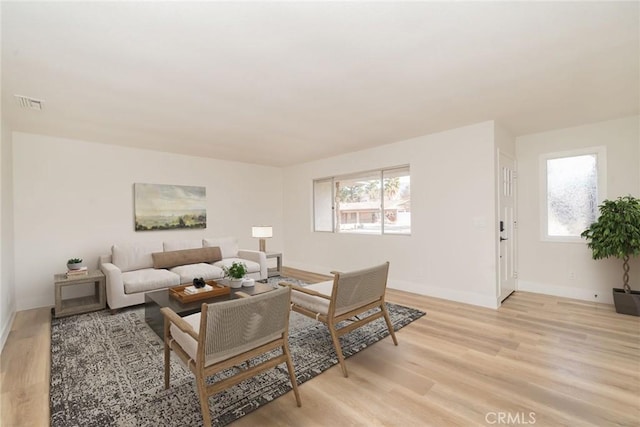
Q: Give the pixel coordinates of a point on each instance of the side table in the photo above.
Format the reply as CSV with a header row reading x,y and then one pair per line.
x,y
69,306
277,271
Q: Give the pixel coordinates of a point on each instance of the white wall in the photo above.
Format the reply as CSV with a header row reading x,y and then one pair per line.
x,y
451,251
566,269
7,288
505,142
75,199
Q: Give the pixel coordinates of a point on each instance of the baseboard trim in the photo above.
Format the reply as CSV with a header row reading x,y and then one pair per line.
x,y
421,289
605,297
6,330
448,294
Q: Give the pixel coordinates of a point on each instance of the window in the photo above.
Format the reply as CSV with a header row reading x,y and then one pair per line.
x,y
322,206
573,189
375,202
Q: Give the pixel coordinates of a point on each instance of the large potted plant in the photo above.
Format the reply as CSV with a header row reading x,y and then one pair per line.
x,y
616,233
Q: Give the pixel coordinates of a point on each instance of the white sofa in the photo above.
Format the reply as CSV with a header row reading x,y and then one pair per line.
x,y
130,272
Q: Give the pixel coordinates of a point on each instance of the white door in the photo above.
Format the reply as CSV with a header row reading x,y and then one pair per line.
x,y
507,226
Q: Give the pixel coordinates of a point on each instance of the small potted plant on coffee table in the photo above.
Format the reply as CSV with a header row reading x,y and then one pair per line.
x,y
235,273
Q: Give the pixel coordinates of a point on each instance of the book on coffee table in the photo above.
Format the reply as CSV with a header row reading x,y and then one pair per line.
x,y
193,290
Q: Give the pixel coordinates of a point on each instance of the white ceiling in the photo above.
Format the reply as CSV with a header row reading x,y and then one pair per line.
x,y
283,83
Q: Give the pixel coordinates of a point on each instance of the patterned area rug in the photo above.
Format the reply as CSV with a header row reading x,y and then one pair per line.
x,y
107,370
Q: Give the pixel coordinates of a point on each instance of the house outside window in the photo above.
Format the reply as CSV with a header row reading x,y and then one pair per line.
x,y
374,202
573,185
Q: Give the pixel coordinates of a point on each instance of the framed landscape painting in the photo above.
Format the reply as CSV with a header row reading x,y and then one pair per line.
x,y
168,207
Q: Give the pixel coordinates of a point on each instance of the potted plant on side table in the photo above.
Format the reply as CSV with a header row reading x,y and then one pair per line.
x,y
616,233
235,273
74,264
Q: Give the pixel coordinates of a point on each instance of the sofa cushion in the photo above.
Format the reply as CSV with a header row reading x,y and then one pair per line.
x,y
134,257
228,245
148,279
189,272
186,256
252,267
177,245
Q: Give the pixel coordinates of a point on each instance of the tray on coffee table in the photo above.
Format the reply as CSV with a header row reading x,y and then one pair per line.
x,y
218,290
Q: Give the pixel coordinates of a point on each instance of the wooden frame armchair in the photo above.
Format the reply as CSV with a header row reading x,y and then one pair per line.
x,y
227,334
348,295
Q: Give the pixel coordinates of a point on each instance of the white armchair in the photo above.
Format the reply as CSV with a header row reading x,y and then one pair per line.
x,y
344,298
227,334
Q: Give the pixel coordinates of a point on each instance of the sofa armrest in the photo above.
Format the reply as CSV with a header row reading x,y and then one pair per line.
x,y
103,259
256,256
114,285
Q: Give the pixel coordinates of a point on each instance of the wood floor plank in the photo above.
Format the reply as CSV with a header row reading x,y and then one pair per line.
x,y
568,362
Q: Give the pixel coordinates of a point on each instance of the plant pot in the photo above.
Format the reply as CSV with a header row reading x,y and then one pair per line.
x,y
75,266
626,303
235,283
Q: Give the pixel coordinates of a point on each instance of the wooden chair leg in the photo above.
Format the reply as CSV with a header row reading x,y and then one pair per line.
x,y
387,319
167,366
292,373
204,400
167,354
336,344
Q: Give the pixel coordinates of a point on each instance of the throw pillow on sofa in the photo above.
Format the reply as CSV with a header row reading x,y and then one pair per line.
x,y
135,256
185,257
228,245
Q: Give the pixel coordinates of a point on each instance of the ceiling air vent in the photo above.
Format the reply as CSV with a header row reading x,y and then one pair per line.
x,y
31,103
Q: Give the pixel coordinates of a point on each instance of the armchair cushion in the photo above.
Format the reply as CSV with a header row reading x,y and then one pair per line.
x,y
186,341
313,303
186,256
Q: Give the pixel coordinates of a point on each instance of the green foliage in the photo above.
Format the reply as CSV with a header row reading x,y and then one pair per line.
x,y
617,232
237,270
369,190
352,193
391,188
74,261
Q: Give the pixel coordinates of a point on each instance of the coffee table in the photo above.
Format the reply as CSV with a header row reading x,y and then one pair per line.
x,y
155,300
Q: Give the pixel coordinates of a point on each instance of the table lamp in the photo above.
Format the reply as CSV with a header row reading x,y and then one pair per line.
x,y
262,232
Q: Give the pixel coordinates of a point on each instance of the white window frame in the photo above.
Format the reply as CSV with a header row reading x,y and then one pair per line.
x,y
335,178
601,166
333,216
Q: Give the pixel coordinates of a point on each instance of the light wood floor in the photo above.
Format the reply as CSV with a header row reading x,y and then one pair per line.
x,y
538,360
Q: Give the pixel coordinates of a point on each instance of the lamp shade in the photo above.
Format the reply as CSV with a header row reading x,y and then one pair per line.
x,y
262,231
